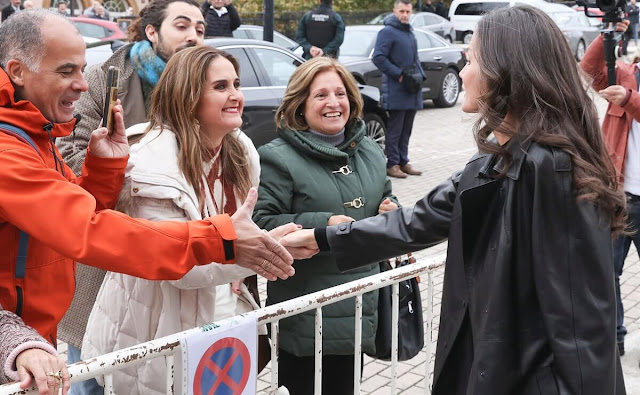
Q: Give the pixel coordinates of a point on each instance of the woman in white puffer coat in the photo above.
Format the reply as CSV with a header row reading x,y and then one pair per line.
x,y
190,162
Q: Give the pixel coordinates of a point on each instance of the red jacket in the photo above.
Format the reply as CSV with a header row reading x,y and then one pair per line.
x,y
68,219
617,121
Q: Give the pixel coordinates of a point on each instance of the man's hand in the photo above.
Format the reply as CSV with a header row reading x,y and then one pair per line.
x,y
386,205
35,363
255,249
103,145
315,51
297,253
226,2
622,26
304,238
614,94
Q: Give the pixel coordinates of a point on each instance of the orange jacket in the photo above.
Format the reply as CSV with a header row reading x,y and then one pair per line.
x,y
68,220
617,121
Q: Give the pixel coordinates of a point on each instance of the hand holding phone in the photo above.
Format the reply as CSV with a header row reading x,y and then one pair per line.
x,y
113,76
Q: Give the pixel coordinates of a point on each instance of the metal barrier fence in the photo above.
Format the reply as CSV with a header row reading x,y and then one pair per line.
x,y
165,347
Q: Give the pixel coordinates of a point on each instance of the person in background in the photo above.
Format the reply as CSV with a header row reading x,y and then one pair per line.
x,y
97,11
321,31
427,7
321,171
62,8
528,302
13,7
442,9
633,14
621,135
396,56
205,166
58,218
221,16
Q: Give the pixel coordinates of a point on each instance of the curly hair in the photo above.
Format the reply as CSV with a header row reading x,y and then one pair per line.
x,y
153,14
527,70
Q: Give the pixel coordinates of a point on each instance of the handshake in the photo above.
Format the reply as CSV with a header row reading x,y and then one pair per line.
x,y
267,253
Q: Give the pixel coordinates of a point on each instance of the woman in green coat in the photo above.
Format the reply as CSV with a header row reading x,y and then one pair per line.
x,y
321,171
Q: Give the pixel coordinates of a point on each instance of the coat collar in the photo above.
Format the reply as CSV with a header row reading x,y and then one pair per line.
x,y
494,164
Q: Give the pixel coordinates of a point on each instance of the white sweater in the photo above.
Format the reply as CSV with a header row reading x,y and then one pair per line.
x,y
130,310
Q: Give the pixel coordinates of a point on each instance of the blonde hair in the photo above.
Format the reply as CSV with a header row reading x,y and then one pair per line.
x,y
290,114
173,106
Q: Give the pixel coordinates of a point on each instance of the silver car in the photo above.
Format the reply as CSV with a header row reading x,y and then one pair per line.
x,y
577,28
434,23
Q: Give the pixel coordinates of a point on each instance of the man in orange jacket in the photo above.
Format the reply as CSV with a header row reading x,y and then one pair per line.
x,y
68,218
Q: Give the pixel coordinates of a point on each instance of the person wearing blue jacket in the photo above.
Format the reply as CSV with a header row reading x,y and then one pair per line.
x,y
396,55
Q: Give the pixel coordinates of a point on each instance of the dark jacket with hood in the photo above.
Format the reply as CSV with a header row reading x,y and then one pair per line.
x,y
301,181
396,50
528,303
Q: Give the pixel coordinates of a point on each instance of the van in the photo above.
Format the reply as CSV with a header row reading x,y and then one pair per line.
x,y
465,14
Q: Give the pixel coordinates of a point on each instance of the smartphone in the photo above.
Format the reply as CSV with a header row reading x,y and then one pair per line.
x,y
113,76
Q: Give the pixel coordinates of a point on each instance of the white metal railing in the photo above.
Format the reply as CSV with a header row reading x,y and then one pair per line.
x,y
107,364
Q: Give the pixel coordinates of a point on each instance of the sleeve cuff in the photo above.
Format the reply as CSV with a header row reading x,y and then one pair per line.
x,y
321,238
626,98
10,365
106,163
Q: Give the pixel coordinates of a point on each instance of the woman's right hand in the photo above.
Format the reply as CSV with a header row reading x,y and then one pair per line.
x,y
338,219
35,363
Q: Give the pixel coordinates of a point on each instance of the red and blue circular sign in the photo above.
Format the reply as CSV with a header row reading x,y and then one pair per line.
x,y
223,369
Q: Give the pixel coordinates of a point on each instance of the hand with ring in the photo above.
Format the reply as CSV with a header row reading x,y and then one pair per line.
x,y
49,371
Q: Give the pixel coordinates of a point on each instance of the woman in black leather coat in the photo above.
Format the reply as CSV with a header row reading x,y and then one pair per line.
x,y
528,303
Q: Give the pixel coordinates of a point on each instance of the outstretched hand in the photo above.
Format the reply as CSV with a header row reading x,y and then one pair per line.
x,y
386,205
103,145
297,252
255,249
33,365
304,238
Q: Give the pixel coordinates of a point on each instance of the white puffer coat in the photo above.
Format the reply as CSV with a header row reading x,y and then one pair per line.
x,y
130,310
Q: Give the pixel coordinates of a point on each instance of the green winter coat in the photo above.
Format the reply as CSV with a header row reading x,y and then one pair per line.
x,y
300,182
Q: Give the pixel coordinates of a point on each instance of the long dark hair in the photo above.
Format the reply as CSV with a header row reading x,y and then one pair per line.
x,y
527,70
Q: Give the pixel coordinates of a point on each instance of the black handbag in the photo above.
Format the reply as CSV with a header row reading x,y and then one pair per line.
x,y
410,324
412,80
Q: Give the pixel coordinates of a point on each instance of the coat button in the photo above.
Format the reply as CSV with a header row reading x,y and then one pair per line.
x,y
342,227
135,190
353,144
482,374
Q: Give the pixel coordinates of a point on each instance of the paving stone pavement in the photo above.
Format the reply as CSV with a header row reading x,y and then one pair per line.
x,y
441,143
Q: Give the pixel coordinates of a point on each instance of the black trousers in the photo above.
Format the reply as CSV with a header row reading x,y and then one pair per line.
x,y
296,373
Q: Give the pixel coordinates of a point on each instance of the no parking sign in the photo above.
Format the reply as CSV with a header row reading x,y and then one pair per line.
x,y
221,360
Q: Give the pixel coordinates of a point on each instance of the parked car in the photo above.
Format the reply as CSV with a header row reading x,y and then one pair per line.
x,y
379,19
424,20
255,32
434,23
265,69
440,60
576,27
98,28
465,14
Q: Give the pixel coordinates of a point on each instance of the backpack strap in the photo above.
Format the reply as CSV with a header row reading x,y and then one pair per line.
x,y
23,243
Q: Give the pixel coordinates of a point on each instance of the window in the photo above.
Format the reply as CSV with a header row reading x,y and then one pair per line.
x,y
423,40
431,20
91,30
278,65
358,43
418,21
478,8
248,77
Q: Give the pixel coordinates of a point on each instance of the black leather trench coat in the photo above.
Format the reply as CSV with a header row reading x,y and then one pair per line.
x,y
528,304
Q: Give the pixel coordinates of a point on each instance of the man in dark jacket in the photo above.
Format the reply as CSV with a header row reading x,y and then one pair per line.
x,y
321,31
396,55
221,16
11,8
442,9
